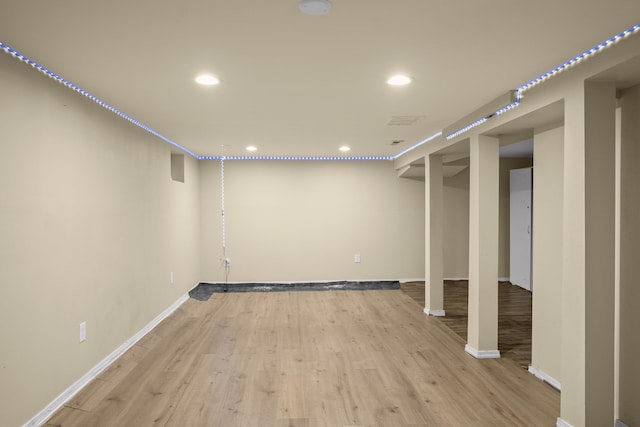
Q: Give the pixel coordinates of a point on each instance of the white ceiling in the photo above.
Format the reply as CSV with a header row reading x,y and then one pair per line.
x,y
301,85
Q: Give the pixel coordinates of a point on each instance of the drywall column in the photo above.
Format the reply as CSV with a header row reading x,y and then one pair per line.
x,y
546,336
629,381
482,336
589,256
433,295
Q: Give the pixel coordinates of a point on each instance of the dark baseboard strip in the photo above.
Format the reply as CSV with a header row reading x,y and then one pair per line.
x,y
203,291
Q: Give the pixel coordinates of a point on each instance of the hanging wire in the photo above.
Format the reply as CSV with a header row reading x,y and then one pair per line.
x,y
224,238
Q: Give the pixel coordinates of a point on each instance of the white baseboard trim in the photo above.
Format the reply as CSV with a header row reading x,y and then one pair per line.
x,y
41,417
500,279
545,377
437,313
482,354
295,282
562,423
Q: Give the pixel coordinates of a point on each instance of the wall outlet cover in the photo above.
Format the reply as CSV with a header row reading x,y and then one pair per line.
x,y
83,331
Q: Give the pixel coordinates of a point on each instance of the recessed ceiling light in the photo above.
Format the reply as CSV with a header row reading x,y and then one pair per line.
x,y
315,7
345,148
399,80
252,148
207,80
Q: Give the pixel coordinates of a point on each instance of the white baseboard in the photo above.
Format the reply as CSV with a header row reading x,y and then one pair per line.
x,y
41,417
562,423
411,280
482,354
500,279
545,377
295,282
437,313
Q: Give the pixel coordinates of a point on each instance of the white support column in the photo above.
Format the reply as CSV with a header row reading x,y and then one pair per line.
x,y
433,302
482,335
546,333
589,256
629,380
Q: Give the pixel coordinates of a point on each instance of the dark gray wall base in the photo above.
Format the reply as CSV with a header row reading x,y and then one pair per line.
x,y
203,291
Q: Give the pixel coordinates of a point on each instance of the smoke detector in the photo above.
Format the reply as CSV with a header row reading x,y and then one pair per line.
x,y
315,7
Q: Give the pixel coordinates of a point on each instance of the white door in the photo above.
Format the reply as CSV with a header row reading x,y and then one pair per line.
x,y
521,183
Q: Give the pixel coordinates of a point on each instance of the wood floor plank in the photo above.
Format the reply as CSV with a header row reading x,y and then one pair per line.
x,y
291,397
514,315
310,359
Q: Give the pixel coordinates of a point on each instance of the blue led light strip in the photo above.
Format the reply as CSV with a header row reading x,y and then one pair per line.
x,y
576,59
125,116
298,158
544,76
522,88
414,146
92,97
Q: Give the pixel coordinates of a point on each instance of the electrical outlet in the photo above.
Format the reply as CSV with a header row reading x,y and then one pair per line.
x,y
171,279
356,258
83,331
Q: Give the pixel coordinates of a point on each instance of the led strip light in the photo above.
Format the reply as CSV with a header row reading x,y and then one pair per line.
x,y
297,158
522,88
67,83
424,141
127,117
545,76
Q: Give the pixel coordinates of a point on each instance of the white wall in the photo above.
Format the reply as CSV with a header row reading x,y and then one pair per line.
x,y
305,221
547,252
91,225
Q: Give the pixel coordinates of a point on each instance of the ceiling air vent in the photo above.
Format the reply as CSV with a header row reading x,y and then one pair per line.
x,y
403,120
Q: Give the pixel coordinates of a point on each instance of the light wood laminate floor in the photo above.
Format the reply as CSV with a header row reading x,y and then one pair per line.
x,y
334,359
514,315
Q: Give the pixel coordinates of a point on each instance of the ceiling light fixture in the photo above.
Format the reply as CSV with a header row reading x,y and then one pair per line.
x,y
345,148
399,80
315,7
252,148
207,80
